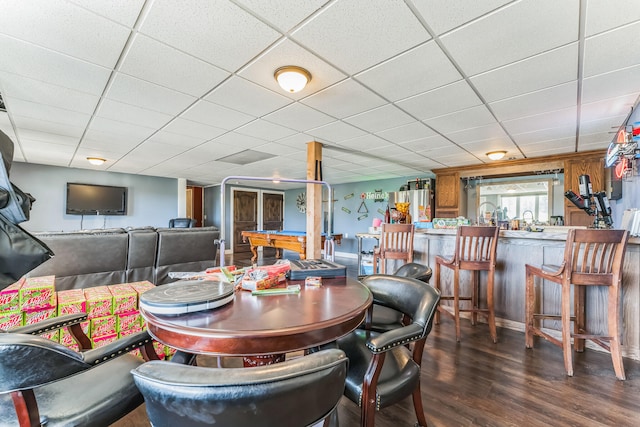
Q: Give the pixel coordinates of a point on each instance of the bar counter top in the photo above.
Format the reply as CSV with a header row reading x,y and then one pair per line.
x,y
519,247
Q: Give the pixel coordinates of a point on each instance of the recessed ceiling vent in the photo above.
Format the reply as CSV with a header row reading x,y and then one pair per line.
x,y
2,107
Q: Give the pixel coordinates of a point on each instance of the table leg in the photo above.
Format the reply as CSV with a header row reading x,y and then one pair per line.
x,y
359,255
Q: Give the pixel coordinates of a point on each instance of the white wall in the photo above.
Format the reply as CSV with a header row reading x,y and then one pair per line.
x,y
151,200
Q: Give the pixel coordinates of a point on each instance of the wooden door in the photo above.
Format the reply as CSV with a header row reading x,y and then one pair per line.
x,y
594,167
447,195
272,216
245,217
195,205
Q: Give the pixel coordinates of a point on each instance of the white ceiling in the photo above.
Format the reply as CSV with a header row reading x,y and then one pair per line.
x,y
167,88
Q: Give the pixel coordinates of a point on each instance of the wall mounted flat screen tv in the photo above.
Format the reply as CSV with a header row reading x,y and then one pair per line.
x,y
91,199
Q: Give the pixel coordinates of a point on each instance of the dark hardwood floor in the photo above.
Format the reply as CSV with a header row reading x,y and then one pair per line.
x,y
478,383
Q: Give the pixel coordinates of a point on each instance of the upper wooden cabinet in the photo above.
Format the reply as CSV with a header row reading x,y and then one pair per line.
x,y
573,168
447,195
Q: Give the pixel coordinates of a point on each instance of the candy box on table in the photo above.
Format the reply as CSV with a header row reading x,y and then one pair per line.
x,y
38,292
36,315
264,277
66,338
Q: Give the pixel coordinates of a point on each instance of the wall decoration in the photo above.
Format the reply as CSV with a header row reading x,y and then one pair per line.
x,y
363,207
376,195
348,196
346,210
361,217
301,202
380,211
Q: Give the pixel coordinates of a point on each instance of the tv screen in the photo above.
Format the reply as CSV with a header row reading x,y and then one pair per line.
x,y
90,199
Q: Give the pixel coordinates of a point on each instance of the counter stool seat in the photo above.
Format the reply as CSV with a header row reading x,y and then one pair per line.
x,y
591,258
475,250
396,243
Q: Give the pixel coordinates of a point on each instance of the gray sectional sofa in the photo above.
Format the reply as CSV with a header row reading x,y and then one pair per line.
x,y
107,256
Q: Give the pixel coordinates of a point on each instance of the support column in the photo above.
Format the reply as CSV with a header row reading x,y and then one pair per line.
x,y
314,200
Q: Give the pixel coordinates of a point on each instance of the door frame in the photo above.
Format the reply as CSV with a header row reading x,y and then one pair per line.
x,y
260,192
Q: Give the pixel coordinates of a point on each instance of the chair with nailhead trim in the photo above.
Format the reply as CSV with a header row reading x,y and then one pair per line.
x,y
45,383
383,367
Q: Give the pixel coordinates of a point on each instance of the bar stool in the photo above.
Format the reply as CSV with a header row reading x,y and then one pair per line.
x,y
396,242
591,258
475,250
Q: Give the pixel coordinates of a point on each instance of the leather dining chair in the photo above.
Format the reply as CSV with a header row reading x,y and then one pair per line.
x,y
396,243
474,250
45,383
297,392
383,367
385,318
182,223
592,258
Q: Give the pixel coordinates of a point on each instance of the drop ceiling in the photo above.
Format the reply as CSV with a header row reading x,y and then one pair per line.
x,y
172,88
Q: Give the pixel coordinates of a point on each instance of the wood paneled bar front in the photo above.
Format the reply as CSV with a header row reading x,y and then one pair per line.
x,y
517,248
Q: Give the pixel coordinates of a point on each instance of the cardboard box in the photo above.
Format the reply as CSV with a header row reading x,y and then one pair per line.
x,y
66,338
101,326
10,320
125,298
71,301
97,342
10,297
264,277
38,292
130,320
126,332
36,315
52,335
99,301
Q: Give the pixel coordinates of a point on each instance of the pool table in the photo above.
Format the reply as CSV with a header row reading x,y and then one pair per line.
x,y
285,239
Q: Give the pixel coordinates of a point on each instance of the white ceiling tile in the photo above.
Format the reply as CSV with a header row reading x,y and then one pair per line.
x,y
297,140
564,117
538,72
239,142
492,132
441,101
561,96
36,135
283,14
169,138
611,85
505,36
435,142
265,130
381,118
45,126
613,107
158,63
129,131
157,151
336,131
463,119
48,112
344,99
121,112
217,38
75,31
421,69
543,135
131,90
608,124
444,16
365,143
408,132
123,11
602,17
216,115
594,141
250,98
612,50
547,148
34,62
350,44
193,129
299,117
276,148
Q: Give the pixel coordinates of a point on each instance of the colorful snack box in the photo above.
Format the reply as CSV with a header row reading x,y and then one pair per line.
x,y
66,338
130,320
169,352
104,325
99,301
38,292
141,287
10,320
97,342
125,332
33,316
71,301
125,298
52,335
10,297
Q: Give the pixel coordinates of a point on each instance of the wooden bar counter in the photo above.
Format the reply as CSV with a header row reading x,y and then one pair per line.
x,y
517,248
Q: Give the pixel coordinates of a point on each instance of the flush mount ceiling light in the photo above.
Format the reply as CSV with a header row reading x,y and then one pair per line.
x,y
291,78
496,155
97,161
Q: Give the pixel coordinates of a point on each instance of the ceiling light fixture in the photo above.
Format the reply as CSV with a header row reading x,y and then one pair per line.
x,y
291,78
496,155
97,161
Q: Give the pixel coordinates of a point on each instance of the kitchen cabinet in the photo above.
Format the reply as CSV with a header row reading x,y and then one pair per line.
x,y
448,197
573,168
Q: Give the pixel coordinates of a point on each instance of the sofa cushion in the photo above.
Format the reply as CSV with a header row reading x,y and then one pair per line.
x,y
185,249
141,259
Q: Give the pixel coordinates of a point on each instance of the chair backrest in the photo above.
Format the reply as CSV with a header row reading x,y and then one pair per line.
x,y
182,223
475,247
415,270
396,241
298,392
595,256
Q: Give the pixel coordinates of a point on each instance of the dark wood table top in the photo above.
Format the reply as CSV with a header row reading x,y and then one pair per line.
x,y
260,325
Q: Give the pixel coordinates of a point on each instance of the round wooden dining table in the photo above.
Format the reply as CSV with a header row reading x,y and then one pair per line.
x,y
264,325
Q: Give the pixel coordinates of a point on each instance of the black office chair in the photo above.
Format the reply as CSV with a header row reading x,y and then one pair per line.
x,y
182,223
298,392
383,368
45,383
385,318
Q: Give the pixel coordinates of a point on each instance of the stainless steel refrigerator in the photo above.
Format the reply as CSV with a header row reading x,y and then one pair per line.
x,y
420,194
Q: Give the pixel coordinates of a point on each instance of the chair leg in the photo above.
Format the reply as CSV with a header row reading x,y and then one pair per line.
x,y
528,311
417,405
613,321
474,296
566,328
456,301
436,284
579,323
492,315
